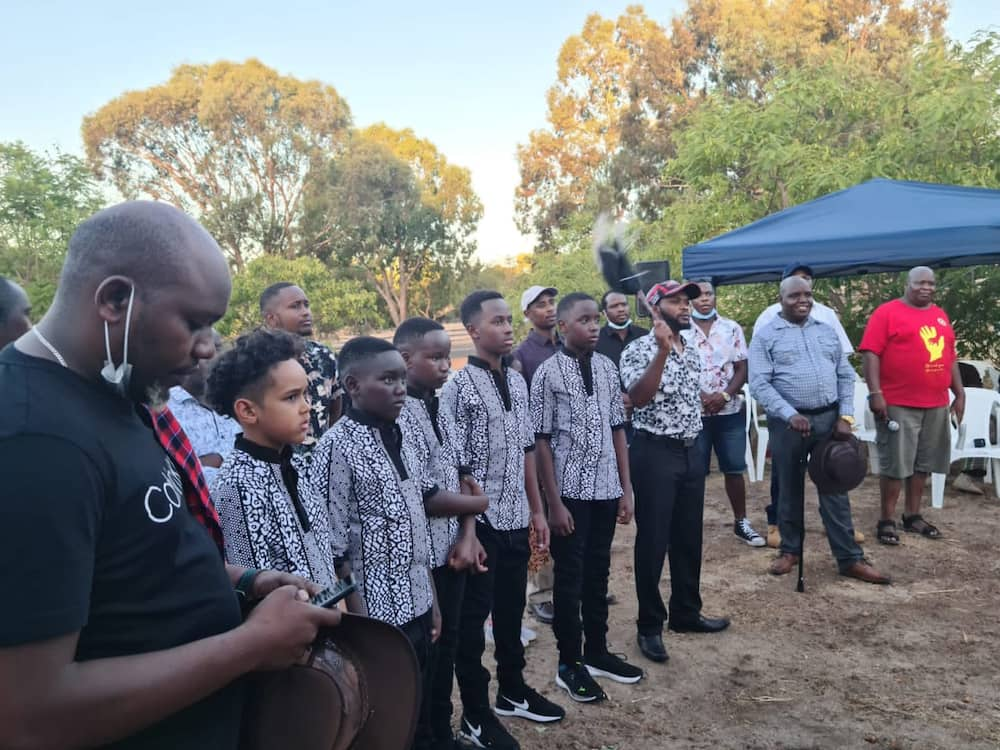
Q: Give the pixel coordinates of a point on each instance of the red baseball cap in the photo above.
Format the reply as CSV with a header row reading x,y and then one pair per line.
x,y
669,288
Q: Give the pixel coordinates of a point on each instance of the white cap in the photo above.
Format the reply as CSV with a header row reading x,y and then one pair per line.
x,y
533,293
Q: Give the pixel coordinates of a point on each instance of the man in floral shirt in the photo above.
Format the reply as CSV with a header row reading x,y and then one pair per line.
x,y
723,352
663,379
285,306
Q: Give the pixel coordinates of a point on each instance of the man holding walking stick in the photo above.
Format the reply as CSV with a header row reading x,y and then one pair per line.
x,y
800,376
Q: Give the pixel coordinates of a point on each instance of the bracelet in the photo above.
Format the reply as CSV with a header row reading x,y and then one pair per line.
x,y
244,586
874,393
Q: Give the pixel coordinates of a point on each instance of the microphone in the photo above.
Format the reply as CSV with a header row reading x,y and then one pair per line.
x,y
892,425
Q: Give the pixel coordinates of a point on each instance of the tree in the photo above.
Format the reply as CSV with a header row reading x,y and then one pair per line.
x,y
231,143
821,129
42,200
624,86
393,207
336,303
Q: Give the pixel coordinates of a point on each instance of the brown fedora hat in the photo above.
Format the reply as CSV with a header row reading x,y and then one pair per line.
x,y
838,465
359,689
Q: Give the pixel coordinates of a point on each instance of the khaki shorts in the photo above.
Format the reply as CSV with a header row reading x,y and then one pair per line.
x,y
922,444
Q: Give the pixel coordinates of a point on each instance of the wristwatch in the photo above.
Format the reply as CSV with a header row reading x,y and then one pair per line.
x,y
726,397
848,419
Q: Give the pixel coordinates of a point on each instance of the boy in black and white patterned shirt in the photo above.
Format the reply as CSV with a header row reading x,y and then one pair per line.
x,y
269,519
379,493
579,420
455,549
488,403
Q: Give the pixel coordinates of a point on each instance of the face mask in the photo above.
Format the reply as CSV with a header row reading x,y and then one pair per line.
x,y
119,377
706,316
617,327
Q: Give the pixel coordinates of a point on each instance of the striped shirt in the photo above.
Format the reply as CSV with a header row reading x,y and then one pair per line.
x,y
796,367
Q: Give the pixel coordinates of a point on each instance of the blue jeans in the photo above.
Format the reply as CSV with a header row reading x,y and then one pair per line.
x,y
727,434
789,458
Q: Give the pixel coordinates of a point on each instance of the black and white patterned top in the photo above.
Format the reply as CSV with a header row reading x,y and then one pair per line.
x,y
269,519
432,435
576,403
675,410
375,487
321,370
493,427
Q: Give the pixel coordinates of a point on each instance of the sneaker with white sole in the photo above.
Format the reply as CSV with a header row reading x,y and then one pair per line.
x,y
613,667
528,704
485,730
576,680
744,531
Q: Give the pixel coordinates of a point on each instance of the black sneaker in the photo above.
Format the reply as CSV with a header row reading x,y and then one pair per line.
x,y
576,681
485,730
613,667
527,704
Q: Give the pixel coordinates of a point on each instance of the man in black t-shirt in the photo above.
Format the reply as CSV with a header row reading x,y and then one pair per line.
x,y
121,625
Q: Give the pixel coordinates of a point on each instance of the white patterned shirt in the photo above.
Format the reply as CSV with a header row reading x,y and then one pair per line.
x,y
490,411
375,488
270,520
675,409
720,350
433,444
576,403
208,432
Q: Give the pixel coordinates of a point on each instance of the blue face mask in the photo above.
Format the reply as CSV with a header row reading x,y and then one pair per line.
x,y
707,316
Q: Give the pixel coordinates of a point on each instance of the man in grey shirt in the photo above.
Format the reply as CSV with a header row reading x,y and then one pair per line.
x,y
800,376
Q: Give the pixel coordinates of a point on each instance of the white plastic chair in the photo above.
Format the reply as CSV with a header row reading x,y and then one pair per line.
x,y
864,420
748,458
972,439
762,433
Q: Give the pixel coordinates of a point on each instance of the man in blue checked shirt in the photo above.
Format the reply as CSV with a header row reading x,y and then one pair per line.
x,y
800,376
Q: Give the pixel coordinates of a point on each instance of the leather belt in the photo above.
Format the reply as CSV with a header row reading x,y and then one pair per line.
x,y
818,410
673,442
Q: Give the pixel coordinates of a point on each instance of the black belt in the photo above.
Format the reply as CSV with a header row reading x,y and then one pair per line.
x,y
673,442
818,410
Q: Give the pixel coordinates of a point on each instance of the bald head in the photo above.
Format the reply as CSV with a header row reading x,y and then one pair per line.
x,y
796,299
920,287
149,242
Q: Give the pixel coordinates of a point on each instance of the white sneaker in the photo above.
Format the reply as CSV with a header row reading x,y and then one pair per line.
x,y
744,531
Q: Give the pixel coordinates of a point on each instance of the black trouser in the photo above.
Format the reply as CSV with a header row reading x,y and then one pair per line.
x,y
582,562
669,484
500,590
418,630
450,586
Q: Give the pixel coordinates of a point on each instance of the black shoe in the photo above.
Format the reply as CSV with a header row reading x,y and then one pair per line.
x,y
528,704
652,647
613,667
575,679
485,730
543,612
699,625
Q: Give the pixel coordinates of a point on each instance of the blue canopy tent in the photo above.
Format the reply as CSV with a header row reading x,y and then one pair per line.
x,y
879,226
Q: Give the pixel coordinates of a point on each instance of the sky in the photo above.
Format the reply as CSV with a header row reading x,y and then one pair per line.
x,y
469,77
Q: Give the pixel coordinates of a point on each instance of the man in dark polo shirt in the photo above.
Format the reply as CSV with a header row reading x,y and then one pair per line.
x,y
121,624
538,303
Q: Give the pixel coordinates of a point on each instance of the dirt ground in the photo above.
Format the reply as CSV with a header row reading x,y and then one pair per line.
x,y
844,665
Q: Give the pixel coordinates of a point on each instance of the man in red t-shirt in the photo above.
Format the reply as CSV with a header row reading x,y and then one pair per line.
x,y
909,364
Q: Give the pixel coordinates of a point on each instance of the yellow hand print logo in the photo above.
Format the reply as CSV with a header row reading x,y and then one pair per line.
x,y
934,348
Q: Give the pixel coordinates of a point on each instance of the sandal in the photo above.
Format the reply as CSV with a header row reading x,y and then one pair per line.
x,y
917,525
885,532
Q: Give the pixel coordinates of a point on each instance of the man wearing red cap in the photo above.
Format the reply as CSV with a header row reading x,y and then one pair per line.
x,y
662,377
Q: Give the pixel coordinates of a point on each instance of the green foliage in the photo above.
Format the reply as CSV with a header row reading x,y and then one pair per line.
x,y
42,199
825,128
337,302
